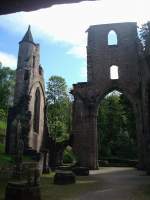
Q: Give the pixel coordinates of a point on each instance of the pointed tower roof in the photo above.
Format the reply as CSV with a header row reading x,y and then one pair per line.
x,y
28,36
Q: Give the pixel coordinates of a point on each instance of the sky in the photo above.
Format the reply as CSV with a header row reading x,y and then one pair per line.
x,y
61,32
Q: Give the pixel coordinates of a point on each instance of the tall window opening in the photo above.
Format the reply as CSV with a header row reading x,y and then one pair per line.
x,y
116,129
112,38
37,110
26,75
34,61
114,72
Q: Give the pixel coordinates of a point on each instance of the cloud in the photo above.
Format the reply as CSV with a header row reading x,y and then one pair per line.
x,y
78,51
8,60
68,23
83,72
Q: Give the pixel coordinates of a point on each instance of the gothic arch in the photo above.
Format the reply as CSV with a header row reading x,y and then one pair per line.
x,y
123,91
37,83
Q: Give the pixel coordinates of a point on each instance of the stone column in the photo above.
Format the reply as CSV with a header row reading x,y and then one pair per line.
x,y
140,135
79,133
92,139
146,127
84,132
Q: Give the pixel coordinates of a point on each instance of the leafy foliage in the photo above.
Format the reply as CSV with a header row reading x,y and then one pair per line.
x,y
56,89
3,118
58,108
68,156
145,34
116,128
7,82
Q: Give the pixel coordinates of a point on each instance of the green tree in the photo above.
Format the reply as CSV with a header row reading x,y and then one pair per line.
x,y
58,108
7,82
116,127
145,34
56,89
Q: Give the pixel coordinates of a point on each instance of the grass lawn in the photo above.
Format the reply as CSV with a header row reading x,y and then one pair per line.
x,y
69,192
5,160
64,192
59,192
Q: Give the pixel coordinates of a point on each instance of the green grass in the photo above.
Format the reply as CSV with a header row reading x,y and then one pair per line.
x,y
5,160
69,192
59,192
64,192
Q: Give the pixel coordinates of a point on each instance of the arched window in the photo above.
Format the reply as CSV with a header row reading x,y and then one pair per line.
x,y
37,111
112,38
114,72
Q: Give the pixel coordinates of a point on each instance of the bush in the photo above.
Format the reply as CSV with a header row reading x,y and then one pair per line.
x,y
68,156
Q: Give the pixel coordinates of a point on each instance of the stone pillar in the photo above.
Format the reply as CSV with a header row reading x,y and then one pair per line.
x,y
84,132
45,162
92,140
79,133
140,135
146,126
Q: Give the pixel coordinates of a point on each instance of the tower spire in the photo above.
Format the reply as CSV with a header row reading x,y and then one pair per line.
x,y
28,36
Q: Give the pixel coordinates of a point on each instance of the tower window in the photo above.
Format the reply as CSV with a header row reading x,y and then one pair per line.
x,y
26,75
33,61
112,38
114,72
37,111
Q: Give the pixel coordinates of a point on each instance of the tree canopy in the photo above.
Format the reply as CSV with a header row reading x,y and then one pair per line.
x,y
56,89
116,128
58,108
7,82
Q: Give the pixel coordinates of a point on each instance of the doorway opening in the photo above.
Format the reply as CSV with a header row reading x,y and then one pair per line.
x,y
116,129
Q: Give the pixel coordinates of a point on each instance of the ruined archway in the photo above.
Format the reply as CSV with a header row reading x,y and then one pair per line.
x,y
116,130
87,96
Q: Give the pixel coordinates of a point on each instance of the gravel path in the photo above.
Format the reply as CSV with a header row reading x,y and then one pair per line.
x,y
119,184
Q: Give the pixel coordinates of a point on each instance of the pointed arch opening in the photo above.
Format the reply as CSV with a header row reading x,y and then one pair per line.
x,y
37,111
114,72
112,38
116,130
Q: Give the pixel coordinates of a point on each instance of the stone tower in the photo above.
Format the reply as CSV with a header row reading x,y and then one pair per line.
x,y
29,98
133,77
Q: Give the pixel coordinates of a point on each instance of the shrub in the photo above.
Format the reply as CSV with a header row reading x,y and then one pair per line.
x,y
68,156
